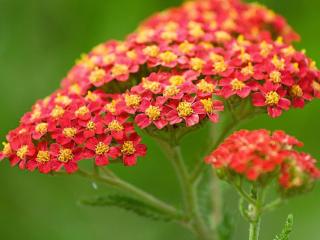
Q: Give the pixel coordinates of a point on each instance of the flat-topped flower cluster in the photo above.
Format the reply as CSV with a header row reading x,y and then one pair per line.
x,y
178,69
260,155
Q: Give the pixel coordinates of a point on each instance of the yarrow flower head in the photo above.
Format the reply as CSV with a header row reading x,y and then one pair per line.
x,y
260,155
179,68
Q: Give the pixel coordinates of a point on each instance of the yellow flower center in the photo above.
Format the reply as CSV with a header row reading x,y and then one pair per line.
x,y
36,113
265,49
169,36
184,109
65,155
220,66
177,80
295,67
109,59
168,57
82,111
272,98
151,51
132,100
42,128
296,91
195,30
111,107
275,76
102,148
186,47
216,57
6,149
316,86
128,148
248,70
114,125
92,96
222,36
279,63
132,55
119,69
22,151
43,156
149,85
153,112
62,99
207,104
197,64
205,87
91,125
171,91
237,85
57,112
97,75
75,88
288,51
69,132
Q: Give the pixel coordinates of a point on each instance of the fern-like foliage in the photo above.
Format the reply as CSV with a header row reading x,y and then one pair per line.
x,y
284,235
127,203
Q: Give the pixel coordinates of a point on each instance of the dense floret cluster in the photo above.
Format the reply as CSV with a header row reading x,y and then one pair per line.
x,y
260,155
178,68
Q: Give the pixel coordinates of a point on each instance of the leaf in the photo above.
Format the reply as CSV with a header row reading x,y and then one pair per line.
x,y
288,227
127,203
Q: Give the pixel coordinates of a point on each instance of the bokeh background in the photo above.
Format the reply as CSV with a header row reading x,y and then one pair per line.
x,y
39,41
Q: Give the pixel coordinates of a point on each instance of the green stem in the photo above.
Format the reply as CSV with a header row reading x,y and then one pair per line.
x,y
189,192
142,195
254,230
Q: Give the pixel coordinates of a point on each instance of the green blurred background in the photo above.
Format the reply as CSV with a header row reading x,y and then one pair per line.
x,y
39,41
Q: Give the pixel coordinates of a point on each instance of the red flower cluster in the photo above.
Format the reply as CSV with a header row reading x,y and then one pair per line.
x,y
257,154
64,129
171,71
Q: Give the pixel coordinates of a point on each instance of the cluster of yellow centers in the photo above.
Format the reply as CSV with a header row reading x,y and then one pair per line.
x,y
220,66
279,63
272,98
91,126
111,107
57,112
153,113
237,85
195,30
265,49
69,132
186,47
65,155
128,148
81,111
97,75
62,99
208,105
132,100
197,64
205,87
151,51
43,156
168,57
114,125
41,128
248,70
184,109
296,91
275,76
22,151
171,91
177,80
101,148
6,148
119,69
150,85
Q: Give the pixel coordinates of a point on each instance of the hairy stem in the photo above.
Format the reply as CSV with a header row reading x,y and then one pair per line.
x,y
254,230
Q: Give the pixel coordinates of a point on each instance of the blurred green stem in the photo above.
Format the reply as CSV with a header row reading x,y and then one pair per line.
x,y
189,191
142,195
